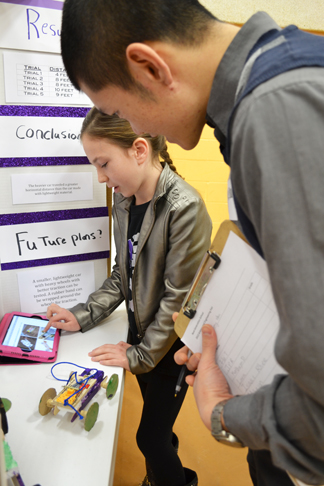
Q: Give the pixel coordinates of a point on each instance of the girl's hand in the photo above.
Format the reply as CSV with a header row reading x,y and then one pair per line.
x,y
112,355
61,319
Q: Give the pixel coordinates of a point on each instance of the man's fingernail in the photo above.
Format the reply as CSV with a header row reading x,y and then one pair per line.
x,y
206,331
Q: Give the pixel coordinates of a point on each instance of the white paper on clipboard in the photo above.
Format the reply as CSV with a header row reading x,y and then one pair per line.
x,y
238,303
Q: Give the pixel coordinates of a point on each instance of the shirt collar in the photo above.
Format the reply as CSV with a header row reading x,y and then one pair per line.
x,y
165,179
222,95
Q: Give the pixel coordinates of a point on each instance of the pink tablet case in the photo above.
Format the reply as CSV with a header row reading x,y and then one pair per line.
x,y
29,334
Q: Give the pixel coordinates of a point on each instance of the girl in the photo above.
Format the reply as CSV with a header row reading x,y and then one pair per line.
x,y
162,230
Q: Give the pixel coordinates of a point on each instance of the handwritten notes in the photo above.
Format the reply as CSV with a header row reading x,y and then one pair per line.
x,y
31,27
55,238
238,302
36,136
65,285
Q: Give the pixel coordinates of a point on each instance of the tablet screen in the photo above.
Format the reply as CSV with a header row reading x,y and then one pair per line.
x,y
27,333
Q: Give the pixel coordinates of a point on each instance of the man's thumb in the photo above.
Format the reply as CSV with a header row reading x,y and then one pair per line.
x,y
209,342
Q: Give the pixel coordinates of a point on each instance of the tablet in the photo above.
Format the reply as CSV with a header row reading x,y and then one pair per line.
x,y
22,336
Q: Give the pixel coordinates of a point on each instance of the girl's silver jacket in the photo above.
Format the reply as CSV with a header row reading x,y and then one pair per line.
x,y
174,237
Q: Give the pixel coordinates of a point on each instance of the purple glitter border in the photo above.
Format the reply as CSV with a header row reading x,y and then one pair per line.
x,y
52,111
54,5
42,111
42,161
44,216
54,261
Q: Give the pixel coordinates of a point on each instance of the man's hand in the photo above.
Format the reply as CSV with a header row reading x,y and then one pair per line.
x,y
112,355
209,384
61,319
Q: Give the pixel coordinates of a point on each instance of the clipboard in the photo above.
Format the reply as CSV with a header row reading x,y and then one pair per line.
x,y
208,265
234,295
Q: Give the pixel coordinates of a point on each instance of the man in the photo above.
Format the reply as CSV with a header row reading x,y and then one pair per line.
x,y
169,67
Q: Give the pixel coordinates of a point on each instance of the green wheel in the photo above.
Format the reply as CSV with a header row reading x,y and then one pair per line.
x,y
91,416
6,404
112,386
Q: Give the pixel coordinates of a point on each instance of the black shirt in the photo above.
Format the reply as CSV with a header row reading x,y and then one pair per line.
x,y
167,365
136,217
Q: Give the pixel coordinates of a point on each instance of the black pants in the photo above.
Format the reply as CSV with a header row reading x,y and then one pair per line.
x,y
263,472
154,435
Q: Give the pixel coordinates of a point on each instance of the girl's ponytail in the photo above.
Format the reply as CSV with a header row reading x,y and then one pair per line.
x,y
160,149
164,154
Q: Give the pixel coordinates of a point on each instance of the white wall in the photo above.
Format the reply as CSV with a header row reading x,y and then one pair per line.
x,y
307,15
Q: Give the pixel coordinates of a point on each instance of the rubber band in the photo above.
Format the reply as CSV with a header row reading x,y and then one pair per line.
x,y
85,381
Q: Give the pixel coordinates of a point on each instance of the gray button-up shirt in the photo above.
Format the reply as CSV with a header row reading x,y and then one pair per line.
x,y
277,170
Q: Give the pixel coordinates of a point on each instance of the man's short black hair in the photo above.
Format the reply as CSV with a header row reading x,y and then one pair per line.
x,y
96,33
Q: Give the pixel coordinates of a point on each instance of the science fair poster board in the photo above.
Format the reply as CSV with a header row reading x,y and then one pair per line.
x,y
33,25
54,221
53,212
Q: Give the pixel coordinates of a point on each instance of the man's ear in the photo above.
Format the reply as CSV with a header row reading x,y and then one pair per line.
x,y
145,63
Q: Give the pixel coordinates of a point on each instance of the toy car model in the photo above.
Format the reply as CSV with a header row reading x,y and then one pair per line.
x,y
77,393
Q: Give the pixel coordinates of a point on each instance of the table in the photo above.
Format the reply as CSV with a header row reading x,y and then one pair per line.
x,y
50,450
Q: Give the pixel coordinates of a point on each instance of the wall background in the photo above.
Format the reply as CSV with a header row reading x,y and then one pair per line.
x,y
307,15
204,168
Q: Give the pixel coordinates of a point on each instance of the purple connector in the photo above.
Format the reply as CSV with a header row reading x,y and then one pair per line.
x,y
99,376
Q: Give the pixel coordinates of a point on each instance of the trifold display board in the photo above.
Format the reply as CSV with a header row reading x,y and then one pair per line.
x,y
54,216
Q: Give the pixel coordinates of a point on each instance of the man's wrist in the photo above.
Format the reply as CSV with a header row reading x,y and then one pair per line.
x,y
218,428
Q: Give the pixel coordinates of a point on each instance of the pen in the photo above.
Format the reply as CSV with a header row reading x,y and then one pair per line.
x,y
182,376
